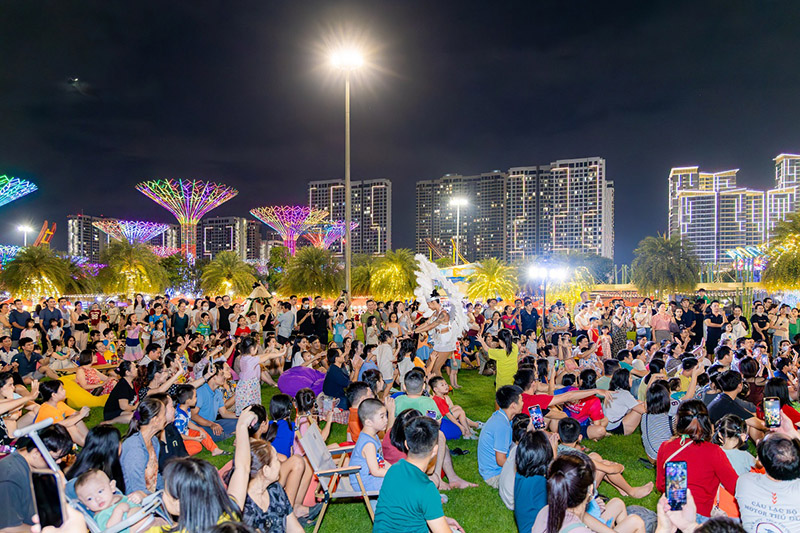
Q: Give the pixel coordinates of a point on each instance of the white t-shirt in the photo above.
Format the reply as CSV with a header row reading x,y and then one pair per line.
x,y
383,356
768,506
619,406
507,477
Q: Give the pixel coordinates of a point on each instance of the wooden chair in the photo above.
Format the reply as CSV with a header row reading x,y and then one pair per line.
x,y
334,480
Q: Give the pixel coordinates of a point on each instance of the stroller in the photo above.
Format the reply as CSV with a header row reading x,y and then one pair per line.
x,y
151,505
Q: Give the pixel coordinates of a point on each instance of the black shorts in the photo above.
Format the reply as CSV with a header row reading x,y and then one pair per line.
x,y
619,430
282,340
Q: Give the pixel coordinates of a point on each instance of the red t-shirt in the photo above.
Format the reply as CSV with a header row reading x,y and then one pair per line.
x,y
94,317
241,332
707,467
390,453
542,400
588,408
792,413
441,403
594,336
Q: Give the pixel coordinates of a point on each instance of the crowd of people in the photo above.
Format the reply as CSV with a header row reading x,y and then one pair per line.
x,y
687,378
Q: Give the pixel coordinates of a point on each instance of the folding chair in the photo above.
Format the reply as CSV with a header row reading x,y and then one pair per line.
x,y
334,480
152,505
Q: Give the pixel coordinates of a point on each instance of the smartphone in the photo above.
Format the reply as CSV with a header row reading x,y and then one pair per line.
x,y
677,483
536,416
772,412
431,414
48,494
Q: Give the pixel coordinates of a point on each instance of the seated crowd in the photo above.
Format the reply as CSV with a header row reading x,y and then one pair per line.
x,y
690,387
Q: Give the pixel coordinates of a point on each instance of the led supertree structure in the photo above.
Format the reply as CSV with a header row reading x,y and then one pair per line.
x,y
290,221
165,251
325,234
189,201
8,252
134,231
14,188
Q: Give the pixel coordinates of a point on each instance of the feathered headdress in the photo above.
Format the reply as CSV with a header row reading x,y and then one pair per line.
x,y
428,275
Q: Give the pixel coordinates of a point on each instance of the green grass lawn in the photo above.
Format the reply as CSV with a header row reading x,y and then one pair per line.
x,y
478,509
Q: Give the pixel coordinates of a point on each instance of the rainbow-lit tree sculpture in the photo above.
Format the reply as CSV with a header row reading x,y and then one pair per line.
x,y
14,188
290,221
8,252
189,201
325,234
165,251
134,231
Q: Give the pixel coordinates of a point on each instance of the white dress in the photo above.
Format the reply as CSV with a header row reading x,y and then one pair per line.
x,y
444,336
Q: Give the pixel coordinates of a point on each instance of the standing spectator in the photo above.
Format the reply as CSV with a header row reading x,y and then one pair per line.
x,y
760,322
372,311
224,314
17,317
284,323
528,317
321,320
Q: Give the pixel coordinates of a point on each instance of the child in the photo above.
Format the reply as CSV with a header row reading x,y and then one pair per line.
x,y
406,358
53,394
727,334
356,392
451,413
455,366
30,331
98,494
241,327
194,437
275,362
158,335
110,342
248,391
204,327
349,330
368,452
60,356
731,433
369,358
569,432
281,429
372,331
54,333
253,324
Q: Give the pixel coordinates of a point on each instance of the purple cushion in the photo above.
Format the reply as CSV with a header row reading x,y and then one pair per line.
x,y
301,377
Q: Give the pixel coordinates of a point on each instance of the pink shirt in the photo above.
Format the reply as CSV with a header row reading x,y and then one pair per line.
x,y
660,322
249,368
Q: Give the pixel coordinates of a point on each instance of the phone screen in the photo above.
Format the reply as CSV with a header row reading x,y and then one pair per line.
x,y
536,416
48,495
677,483
772,412
431,414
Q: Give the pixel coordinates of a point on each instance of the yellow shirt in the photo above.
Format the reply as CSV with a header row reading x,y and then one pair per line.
x,y
57,413
506,365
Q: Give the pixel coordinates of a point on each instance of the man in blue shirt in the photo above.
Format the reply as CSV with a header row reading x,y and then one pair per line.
x,y
494,441
17,318
27,361
528,317
211,411
50,312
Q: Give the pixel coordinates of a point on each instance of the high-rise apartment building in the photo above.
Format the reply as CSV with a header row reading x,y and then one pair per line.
x,y
236,234
715,214
372,210
83,239
528,211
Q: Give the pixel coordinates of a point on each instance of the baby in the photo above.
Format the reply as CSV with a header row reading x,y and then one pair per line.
x,y
98,494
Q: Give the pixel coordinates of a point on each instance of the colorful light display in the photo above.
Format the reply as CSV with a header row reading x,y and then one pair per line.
x,y
188,201
14,188
165,251
290,221
8,252
324,235
133,231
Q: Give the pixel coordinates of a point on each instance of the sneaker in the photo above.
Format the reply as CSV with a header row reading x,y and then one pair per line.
x,y
480,424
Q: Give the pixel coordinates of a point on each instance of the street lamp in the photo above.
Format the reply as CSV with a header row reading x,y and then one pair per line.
x,y
348,61
458,203
544,274
25,230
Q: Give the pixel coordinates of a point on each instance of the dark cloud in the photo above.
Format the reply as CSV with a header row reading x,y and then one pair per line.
x,y
239,92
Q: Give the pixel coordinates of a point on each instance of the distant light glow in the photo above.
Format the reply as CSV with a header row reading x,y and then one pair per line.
x,y
290,221
542,273
165,251
14,188
24,229
188,201
347,59
458,201
8,252
324,235
134,231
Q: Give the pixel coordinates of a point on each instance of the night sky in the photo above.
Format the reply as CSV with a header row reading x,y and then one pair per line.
x,y
241,92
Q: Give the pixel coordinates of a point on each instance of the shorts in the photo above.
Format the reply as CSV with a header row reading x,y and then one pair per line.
x,y
451,431
619,430
282,340
455,363
33,375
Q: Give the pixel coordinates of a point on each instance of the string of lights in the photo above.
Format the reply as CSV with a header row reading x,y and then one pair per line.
x,y
324,235
134,231
14,188
290,221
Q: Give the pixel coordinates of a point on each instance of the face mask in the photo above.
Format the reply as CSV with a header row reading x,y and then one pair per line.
x,y
305,306
785,349
205,308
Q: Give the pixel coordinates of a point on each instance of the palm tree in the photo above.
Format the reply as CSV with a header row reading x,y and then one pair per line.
x,y
394,276
35,272
665,264
131,268
226,273
313,270
786,228
361,278
79,279
783,268
492,278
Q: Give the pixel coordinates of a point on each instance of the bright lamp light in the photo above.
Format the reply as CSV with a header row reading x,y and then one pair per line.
x,y
347,59
458,201
536,272
24,228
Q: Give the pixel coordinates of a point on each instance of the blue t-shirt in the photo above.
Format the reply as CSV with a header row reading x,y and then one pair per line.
x,y
530,497
209,402
26,367
19,317
182,420
284,438
495,437
357,459
366,366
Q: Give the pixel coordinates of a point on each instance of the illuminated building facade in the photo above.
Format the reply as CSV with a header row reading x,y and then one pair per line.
x,y
565,206
372,210
221,234
84,239
715,214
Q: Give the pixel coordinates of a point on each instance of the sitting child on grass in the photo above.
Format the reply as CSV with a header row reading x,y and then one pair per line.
x,y
194,437
454,414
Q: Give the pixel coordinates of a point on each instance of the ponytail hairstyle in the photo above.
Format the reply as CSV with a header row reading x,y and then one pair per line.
x,y
148,409
504,335
123,368
408,348
730,426
693,421
261,417
262,454
246,345
305,399
280,408
569,481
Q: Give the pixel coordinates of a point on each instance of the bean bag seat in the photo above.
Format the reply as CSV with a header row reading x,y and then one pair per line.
x,y
77,396
301,377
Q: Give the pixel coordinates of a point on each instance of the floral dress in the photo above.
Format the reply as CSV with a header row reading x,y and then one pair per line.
x,y
619,336
273,520
93,379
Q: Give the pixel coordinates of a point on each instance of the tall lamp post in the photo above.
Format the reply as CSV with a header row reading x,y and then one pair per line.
x,y
458,203
25,230
543,274
348,61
